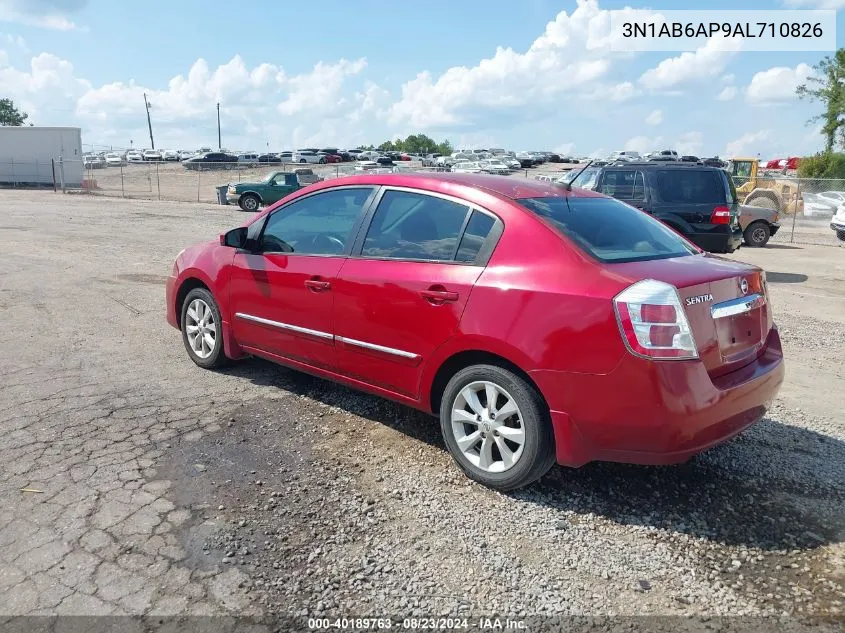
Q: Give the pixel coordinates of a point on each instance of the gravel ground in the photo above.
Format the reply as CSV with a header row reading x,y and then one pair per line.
x,y
258,490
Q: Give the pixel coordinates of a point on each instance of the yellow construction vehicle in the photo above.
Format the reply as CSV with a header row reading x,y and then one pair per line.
x,y
780,194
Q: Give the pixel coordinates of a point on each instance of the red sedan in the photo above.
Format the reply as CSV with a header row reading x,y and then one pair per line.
x,y
542,325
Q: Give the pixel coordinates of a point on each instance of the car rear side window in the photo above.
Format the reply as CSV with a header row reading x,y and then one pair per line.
x,y
609,230
478,228
409,225
691,186
623,184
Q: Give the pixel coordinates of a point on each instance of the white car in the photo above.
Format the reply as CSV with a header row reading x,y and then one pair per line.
x,y
169,154
837,223
151,154
494,166
308,156
248,159
511,162
836,197
133,156
467,167
624,155
113,159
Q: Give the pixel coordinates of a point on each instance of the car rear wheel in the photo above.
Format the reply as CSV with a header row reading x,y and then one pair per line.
x,y
841,235
497,427
202,329
757,234
249,202
302,160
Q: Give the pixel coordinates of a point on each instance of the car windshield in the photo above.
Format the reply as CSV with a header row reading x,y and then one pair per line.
x,y
609,230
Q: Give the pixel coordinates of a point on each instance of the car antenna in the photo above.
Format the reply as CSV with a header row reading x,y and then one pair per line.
x,y
568,185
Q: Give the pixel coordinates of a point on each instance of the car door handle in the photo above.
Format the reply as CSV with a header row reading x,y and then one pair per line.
x,y
439,296
317,285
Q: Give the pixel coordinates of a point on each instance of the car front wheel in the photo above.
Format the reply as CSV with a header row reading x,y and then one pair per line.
x,y
841,236
249,202
496,426
202,330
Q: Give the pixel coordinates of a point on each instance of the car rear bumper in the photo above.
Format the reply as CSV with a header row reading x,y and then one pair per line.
x,y
656,412
717,241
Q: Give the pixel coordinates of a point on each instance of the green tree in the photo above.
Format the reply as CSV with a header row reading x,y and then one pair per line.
x,y
823,165
827,86
10,115
417,144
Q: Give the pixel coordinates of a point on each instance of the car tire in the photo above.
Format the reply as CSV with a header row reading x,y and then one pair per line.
x,y
841,236
757,234
485,460
198,303
323,161
302,161
249,202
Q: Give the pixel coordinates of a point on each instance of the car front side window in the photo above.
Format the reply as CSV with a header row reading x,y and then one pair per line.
x,y
319,224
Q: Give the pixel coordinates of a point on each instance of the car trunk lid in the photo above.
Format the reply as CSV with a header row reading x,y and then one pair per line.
x,y
726,304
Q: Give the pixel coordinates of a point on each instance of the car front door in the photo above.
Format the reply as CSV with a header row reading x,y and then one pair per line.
x,y
282,290
402,293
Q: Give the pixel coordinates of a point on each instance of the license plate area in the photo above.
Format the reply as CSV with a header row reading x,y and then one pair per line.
x,y
739,335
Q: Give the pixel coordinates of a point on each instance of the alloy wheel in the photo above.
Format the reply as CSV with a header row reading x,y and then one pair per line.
x,y
488,427
758,235
200,328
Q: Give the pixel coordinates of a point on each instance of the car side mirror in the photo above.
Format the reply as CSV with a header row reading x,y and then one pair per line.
x,y
236,238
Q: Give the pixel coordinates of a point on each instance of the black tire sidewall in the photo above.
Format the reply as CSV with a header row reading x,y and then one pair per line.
x,y
749,231
218,357
249,197
538,452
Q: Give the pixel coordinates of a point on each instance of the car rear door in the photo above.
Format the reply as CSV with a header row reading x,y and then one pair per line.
x,y
282,292
627,185
402,293
689,193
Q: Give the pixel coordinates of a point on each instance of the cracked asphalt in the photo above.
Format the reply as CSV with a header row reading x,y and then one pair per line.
x,y
135,483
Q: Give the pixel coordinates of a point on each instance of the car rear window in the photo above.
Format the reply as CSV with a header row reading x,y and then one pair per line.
x,y
609,230
691,186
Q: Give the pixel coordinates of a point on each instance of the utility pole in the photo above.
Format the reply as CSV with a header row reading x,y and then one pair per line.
x,y
219,141
149,123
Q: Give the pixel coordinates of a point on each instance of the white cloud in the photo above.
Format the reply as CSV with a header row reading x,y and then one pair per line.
x,y
568,59
729,78
4,58
565,149
690,144
776,84
655,117
643,144
748,143
47,85
728,93
706,62
619,92
319,90
46,14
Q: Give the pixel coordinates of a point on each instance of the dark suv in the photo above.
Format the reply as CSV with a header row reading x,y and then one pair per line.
x,y
698,201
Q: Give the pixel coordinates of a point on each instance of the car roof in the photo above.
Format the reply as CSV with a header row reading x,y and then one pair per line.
x,y
444,182
656,164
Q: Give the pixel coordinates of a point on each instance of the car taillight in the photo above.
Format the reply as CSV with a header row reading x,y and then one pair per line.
x,y
653,323
721,215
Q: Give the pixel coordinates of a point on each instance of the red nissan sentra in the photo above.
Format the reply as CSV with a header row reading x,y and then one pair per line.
x,y
542,325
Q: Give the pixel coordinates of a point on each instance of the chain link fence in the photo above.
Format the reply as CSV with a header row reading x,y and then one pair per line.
x,y
804,207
